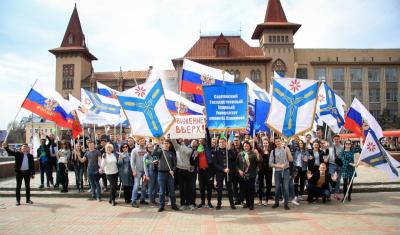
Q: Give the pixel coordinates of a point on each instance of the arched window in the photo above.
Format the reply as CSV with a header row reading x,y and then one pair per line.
x,y
255,75
279,66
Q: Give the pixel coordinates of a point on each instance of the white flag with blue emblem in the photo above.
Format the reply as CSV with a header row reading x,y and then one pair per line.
x,y
330,108
106,108
293,103
375,155
146,109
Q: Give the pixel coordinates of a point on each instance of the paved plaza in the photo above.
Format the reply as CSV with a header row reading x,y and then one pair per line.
x,y
368,213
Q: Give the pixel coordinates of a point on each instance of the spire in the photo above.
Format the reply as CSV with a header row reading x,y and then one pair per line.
x,y
275,12
74,36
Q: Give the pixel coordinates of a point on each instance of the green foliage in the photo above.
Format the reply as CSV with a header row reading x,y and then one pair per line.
x,y
388,121
17,132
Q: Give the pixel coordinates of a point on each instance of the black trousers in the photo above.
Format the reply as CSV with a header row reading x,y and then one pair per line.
x,y
127,193
247,189
53,164
235,186
185,187
346,182
104,178
26,176
63,175
205,181
228,183
113,185
264,176
46,168
193,178
299,180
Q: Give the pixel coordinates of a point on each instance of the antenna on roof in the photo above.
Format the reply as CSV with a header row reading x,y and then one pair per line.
x,y
240,29
200,31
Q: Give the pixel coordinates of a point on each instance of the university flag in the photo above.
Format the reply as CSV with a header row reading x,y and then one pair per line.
x,y
261,113
106,91
177,104
375,155
146,109
330,108
226,106
195,75
293,105
106,108
85,116
360,121
49,104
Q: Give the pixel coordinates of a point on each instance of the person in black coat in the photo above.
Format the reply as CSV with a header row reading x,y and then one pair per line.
x,y
224,164
24,169
316,157
318,183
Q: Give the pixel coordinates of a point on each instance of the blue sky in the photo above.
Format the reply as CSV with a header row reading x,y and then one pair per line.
x,y
135,34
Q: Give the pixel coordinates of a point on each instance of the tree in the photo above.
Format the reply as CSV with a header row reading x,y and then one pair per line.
x,y
17,132
388,121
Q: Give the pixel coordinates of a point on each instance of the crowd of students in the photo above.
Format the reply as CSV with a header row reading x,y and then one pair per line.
x,y
242,165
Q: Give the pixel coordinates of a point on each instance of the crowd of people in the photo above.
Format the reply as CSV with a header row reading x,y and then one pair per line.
x,y
240,164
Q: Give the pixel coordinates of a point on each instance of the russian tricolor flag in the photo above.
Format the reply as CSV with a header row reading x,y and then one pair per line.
x,y
106,91
50,105
177,104
357,116
195,75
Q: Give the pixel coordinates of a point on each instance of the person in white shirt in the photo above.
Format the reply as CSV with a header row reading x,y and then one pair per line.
x,y
109,165
63,156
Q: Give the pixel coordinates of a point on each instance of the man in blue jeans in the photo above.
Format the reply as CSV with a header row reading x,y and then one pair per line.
x,y
279,159
93,157
137,165
166,167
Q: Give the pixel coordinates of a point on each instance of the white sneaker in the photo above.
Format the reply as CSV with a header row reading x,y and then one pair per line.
x,y
192,208
294,202
300,198
182,208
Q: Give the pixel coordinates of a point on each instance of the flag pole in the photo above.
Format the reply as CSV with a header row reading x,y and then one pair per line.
x,y
83,134
227,154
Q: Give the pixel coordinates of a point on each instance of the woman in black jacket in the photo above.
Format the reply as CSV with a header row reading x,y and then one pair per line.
x,y
316,157
264,172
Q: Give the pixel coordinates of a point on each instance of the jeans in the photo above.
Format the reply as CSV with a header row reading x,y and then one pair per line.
x,y
299,182
94,184
45,167
282,176
228,183
153,174
165,179
332,169
23,175
79,176
185,187
205,181
264,176
314,191
138,179
113,185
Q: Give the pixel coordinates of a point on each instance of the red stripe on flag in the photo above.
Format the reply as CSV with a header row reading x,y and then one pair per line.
x,y
192,88
45,113
352,125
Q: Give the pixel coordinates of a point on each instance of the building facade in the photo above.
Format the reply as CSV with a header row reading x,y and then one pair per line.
x,y
371,75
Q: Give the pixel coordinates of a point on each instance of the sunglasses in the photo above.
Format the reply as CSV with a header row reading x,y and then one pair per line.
x,y
124,147
348,143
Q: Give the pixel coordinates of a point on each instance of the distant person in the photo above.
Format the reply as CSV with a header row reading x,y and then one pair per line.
x,y
43,154
24,169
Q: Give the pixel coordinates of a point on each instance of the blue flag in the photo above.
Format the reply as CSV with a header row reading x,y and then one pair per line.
x,y
261,113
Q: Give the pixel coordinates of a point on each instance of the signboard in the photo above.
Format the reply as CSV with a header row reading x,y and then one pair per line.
x,y
226,106
188,127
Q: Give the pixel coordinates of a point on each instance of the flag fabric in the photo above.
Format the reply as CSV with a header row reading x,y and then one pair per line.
x,y
85,116
360,121
330,108
195,75
146,109
106,91
375,155
177,104
261,113
106,108
277,75
48,104
293,103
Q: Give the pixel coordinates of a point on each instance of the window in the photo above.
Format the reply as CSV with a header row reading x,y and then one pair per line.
x,y
70,39
356,93
338,74
373,75
391,95
279,38
255,75
375,113
301,73
287,38
68,77
274,38
221,51
320,74
390,75
236,75
270,38
340,93
282,39
356,75
374,95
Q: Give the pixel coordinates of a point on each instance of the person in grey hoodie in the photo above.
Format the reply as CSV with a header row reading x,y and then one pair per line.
x,y
137,167
183,154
